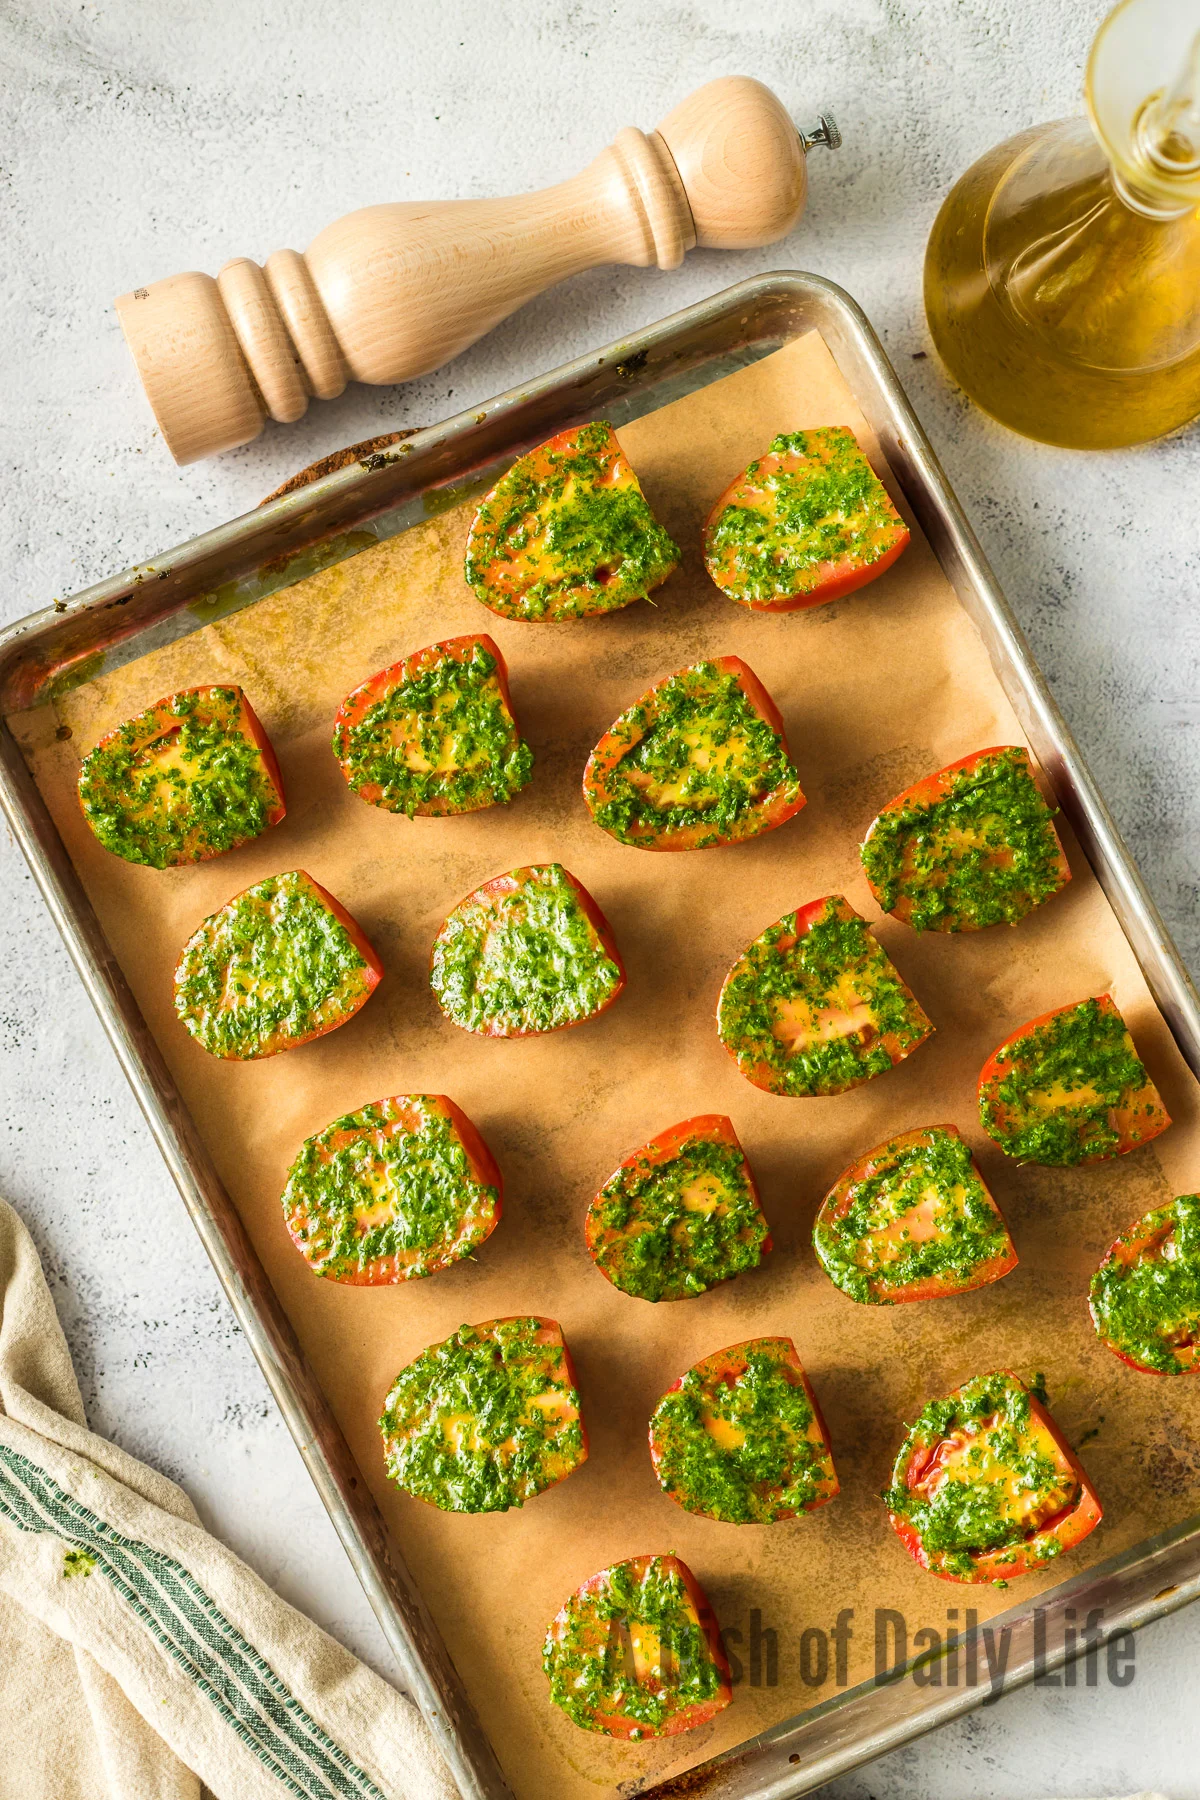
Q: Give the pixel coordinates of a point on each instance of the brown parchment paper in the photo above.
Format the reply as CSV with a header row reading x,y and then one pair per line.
x,y
875,691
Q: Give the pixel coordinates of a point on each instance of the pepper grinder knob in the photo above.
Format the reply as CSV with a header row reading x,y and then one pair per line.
x,y
394,291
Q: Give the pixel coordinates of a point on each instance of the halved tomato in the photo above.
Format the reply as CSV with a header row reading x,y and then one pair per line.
x,y
191,777
279,964
985,1486
740,1437
815,1006
396,1190
808,522
434,734
636,1652
566,532
681,1214
1145,1296
912,1220
486,1419
1069,1087
970,846
527,952
701,759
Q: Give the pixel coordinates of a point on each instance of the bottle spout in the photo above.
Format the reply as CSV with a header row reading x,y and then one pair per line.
x,y
1168,128
1143,94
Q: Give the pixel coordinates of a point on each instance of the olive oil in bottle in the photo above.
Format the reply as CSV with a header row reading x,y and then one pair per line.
x,y
1062,277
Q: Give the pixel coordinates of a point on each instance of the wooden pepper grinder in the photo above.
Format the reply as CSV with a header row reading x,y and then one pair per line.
x,y
391,292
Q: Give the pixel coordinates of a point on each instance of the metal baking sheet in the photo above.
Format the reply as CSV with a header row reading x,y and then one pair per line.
x,y
230,568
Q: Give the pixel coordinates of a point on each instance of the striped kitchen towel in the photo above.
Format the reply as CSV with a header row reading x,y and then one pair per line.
x,y
139,1658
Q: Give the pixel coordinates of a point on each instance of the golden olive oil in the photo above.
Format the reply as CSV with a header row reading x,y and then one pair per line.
x,y
1062,276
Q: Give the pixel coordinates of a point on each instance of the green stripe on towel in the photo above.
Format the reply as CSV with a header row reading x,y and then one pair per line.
x,y
194,1631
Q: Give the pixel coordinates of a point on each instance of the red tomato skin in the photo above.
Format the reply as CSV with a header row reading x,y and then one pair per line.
x,y
270,761
360,699
664,1146
163,721
715,1128
549,1332
615,1724
840,1197
459,649
835,586
767,817
484,1166
1126,1248
730,1363
484,1169
358,937
510,883
1070,1526
569,1371
931,788
372,973
1131,1361
992,1072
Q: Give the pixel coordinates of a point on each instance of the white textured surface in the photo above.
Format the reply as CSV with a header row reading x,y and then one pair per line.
x,y
139,139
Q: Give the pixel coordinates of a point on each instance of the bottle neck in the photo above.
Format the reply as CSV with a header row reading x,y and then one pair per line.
x,y
1154,175
1147,203
1143,98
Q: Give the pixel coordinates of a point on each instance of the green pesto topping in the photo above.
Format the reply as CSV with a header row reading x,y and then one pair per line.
x,y
772,978
653,1244
969,1231
1083,1050
832,508
523,961
708,749
484,1420
417,1175
272,967
452,718
589,1659
970,1510
193,793
1148,1309
984,853
776,1471
581,543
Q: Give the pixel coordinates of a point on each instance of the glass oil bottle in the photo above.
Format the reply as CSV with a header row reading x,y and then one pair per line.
x,y
1062,276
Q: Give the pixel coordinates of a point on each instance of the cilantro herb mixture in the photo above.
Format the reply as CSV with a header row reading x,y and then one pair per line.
x,y
273,967
567,533
183,781
701,759
388,1193
818,1012
738,1438
1145,1296
916,1216
977,1474
1070,1089
813,505
522,955
485,1420
981,850
627,1654
436,740
667,1228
